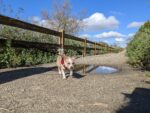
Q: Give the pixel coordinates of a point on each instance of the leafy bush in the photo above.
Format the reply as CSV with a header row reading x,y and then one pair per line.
x,y
138,49
71,52
11,57
7,58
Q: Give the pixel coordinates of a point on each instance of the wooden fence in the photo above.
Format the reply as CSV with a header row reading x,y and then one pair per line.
x,y
46,46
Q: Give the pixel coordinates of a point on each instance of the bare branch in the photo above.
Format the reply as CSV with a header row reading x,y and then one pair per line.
x,y
62,18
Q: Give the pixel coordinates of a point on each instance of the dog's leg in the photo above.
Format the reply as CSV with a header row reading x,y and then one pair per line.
x,y
63,74
71,72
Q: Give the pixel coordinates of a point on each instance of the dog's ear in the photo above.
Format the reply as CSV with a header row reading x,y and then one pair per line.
x,y
60,51
74,58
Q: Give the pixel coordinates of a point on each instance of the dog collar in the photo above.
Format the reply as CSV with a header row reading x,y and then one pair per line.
x,y
62,63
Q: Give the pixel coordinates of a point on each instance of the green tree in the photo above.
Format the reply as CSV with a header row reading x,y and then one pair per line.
x,y
138,49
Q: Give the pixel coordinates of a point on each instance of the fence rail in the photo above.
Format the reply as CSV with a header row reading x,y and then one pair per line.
x,y
47,47
24,25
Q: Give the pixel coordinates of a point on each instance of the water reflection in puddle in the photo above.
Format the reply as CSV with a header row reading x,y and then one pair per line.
x,y
95,69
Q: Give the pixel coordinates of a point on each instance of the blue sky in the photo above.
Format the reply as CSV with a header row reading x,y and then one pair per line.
x,y
111,21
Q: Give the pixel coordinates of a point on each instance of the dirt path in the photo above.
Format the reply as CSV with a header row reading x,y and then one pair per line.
x,y
111,59
41,90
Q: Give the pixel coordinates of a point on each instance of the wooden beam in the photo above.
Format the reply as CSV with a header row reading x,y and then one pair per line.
x,y
27,26
47,47
62,39
24,25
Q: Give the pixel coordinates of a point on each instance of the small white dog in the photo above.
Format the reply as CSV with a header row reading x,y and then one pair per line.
x,y
64,63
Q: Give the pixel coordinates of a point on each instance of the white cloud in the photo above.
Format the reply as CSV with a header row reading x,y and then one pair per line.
x,y
135,24
41,22
119,39
116,35
106,41
123,41
131,34
85,36
45,23
125,38
34,19
98,21
111,34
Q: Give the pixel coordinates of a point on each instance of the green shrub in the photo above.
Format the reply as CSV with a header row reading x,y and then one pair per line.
x,y
138,49
8,57
11,57
71,52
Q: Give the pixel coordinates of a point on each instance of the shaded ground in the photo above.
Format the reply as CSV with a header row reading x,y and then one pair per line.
x,y
41,90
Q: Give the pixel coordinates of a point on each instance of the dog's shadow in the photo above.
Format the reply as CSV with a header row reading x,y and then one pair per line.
x,y
75,75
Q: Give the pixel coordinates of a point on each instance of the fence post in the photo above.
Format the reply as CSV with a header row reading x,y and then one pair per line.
x,y
61,39
107,48
84,50
95,48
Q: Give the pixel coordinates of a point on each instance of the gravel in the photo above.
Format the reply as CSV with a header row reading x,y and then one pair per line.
x,y
40,89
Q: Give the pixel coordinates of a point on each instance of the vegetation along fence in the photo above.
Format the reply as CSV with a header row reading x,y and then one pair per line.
x,y
25,44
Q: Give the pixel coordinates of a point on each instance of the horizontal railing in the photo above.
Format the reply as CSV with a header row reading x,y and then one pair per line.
x,y
4,20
